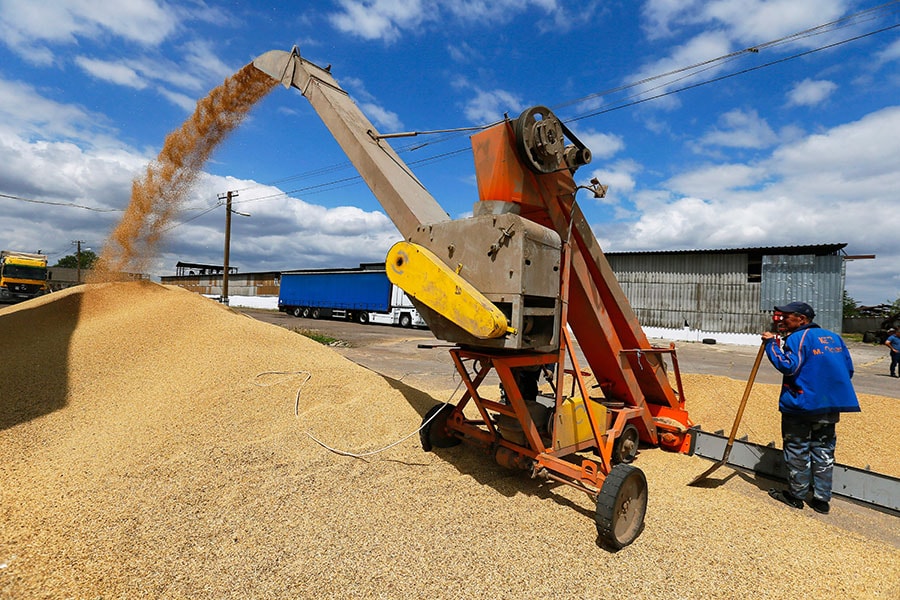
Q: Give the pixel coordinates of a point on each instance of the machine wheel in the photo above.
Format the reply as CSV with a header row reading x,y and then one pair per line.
x,y
621,506
362,317
296,312
405,320
626,445
315,313
433,433
305,312
540,140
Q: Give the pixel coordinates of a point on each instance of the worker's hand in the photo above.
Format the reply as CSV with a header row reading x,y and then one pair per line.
x,y
768,336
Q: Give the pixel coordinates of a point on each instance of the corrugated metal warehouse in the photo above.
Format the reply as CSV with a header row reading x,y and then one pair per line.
x,y
726,295
693,294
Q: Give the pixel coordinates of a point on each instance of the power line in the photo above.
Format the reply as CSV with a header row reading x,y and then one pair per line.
x,y
730,75
641,97
68,204
637,98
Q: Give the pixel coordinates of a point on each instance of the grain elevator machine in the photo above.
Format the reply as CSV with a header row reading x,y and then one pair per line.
x,y
508,287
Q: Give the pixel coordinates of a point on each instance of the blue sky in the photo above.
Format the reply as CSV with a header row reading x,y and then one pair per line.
x,y
795,142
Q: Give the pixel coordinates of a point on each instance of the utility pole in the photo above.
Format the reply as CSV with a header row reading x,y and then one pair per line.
x,y
227,197
78,261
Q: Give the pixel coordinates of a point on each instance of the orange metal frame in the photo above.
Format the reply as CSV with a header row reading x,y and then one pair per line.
x,y
543,455
630,372
627,367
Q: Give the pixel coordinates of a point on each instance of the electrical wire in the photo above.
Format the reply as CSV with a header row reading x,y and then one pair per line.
x,y
51,203
389,446
632,100
637,98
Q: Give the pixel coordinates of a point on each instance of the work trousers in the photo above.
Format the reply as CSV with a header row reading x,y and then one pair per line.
x,y
809,456
895,361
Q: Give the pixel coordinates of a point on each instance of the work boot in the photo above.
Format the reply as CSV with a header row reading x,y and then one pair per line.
x,y
820,506
787,497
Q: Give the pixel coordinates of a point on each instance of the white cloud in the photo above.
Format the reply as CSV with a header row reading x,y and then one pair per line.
x,y
26,112
489,106
748,22
820,189
387,20
810,92
378,19
187,103
755,21
387,121
619,177
716,181
740,129
601,145
891,53
111,71
26,22
696,50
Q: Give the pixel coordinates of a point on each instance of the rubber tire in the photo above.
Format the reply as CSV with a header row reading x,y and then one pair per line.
x,y
315,313
405,320
362,317
305,312
621,506
297,311
625,447
433,435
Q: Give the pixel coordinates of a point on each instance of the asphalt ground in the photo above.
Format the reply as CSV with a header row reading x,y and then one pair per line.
x,y
414,356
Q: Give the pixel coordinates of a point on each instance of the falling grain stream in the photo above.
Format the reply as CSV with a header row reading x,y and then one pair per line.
x,y
157,196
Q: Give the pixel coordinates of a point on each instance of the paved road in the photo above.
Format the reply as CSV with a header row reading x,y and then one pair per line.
x,y
397,353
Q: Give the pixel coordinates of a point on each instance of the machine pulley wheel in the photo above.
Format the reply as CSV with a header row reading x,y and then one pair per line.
x,y
625,447
433,433
621,506
540,139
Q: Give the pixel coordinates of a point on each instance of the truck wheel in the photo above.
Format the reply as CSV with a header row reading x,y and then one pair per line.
x,y
362,317
305,312
405,320
315,313
297,312
621,506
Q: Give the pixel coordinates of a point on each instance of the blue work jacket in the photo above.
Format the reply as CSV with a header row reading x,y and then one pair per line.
x,y
817,368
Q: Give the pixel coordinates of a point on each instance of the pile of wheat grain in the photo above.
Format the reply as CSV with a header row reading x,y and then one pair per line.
x,y
150,448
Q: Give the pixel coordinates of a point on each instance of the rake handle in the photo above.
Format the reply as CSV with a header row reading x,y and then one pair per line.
x,y
750,380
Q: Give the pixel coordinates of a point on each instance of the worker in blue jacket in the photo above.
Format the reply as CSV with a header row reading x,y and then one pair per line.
x,y
815,390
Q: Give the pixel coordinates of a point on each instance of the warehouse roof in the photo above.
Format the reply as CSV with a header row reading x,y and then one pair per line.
x,y
817,249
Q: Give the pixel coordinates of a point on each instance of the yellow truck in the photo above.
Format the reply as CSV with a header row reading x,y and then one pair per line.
x,y
23,275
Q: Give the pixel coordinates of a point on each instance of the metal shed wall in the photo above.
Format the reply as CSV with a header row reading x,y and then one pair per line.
x,y
816,280
709,292
728,291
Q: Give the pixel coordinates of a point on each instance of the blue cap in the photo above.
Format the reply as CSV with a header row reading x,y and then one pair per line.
x,y
801,308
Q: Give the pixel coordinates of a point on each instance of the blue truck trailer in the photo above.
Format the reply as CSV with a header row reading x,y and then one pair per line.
x,y
362,294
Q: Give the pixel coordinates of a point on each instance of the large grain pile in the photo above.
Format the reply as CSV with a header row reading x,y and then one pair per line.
x,y
150,448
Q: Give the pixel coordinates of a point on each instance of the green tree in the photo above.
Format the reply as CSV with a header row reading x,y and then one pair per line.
x,y
851,306
88,258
